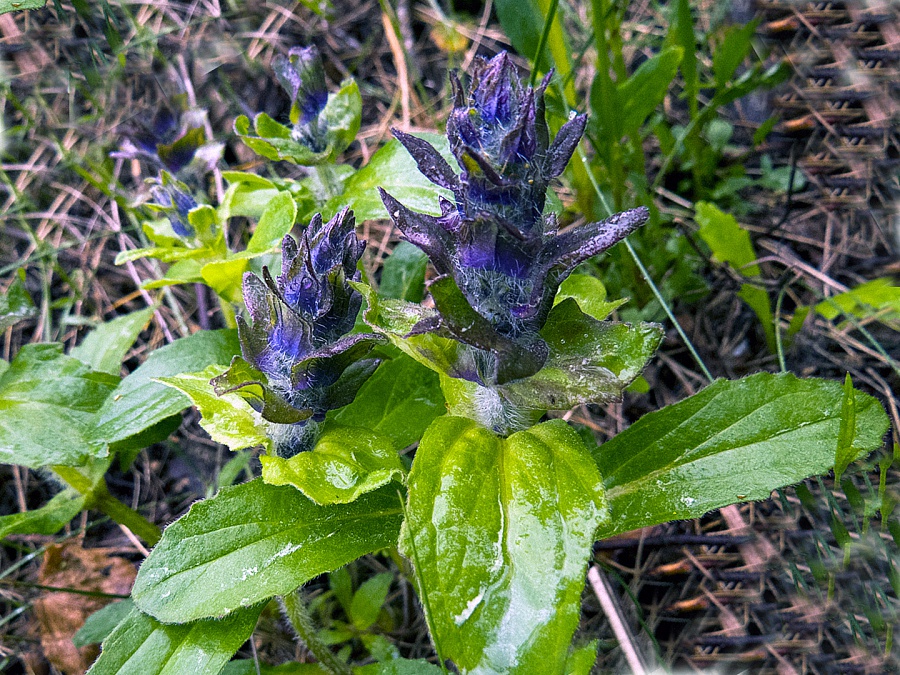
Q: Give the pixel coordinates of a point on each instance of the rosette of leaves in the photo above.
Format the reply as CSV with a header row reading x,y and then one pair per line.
x,y
173,141
298,360
322,124
501,260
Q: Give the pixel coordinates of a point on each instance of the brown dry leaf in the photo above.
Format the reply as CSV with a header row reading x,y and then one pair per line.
x,y
61,614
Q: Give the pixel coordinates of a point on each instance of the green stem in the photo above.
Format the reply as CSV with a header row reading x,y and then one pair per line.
x,y
126,516
298,615
542,43
227,310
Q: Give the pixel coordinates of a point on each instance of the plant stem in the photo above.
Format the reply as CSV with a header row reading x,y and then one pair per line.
x,y
298,615
126,516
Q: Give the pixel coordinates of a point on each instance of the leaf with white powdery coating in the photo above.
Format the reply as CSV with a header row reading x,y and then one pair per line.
x,y
734,441
140,645
254,541
500,531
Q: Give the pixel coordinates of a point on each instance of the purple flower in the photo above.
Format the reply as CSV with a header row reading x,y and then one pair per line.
x,y
174,199
501,259
173,142
297,338
302,75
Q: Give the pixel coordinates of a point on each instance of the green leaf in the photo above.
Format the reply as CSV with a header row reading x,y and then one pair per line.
x,y
254,541
523,22
403,273
399,401
226,276
19,5
48,406
368,599
104,348
140,645
758,300
500,531
393,169
729,242
734,441
590,294
102,622
228,419
681,33
273,141
846,452
275,222
879,296
582,659
138,402
731,51
16,304
399,667
181,272
590,360
345,463
343,115
646,89
47,520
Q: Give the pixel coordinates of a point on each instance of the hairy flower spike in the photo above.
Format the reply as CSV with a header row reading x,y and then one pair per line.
x,y
501,259
175,142
297,338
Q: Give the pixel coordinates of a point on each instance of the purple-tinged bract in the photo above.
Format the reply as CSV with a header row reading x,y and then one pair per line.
x,y
174,199
297,337
302,75
495,242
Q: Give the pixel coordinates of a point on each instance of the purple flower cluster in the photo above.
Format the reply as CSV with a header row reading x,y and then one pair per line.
x,y
500,257
297,338
302,75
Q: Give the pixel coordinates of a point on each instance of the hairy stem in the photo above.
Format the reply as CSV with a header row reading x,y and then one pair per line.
x,y
298,615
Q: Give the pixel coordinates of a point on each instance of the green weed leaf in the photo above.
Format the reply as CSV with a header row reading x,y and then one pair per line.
x,y
368,599
140,645
138,402
500,530
104,348
403,273
393,169
228,419
254,541
49,519
734,441
16,304
399,401
345,463
590,294
48,408
101,623
641,93
399,667
846,452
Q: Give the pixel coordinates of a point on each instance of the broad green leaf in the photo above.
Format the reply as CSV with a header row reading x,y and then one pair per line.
x,y
879,296
226,276
730,243
590,294
228,419
590,360
48,519
16,304
101,623
48,408
734,441
138,402
500,531
140,645
399,401
254,541
369,598
846,452
182,272
345,463
275,222
343,115
104,348
641,93
273,141
19,5
403,273
399,667
393,169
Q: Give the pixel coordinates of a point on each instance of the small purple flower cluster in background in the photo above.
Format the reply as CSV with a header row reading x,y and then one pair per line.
x,y
494,243
302,75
